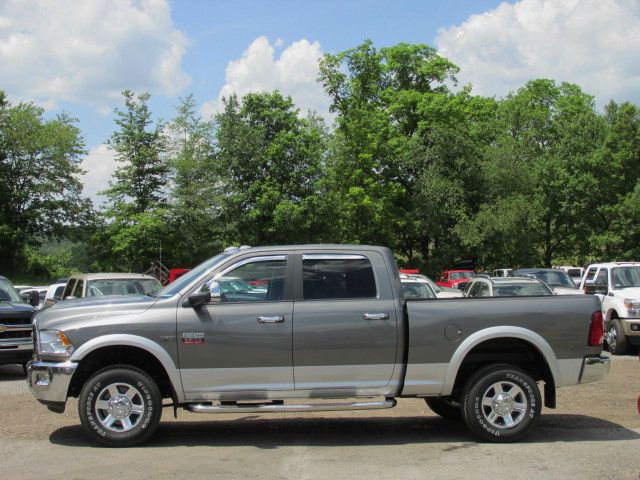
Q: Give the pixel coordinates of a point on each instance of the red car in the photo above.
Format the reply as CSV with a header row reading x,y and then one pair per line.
x,y
455,278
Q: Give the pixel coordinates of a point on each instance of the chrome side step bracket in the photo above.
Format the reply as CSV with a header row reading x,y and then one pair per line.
x,y
276,408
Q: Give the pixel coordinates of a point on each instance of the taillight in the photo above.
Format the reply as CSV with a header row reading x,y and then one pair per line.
x,y
596,330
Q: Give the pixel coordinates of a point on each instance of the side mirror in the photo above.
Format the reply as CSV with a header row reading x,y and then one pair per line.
x,y
34,298
199,299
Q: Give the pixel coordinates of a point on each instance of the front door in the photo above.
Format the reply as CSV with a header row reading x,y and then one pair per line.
x,y
345,325
242,343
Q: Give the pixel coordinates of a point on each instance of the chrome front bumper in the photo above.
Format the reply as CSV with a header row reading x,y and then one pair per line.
x,y
594,368
49,382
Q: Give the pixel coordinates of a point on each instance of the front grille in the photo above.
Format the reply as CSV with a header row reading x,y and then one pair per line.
x,y
15,328
16,321
13,334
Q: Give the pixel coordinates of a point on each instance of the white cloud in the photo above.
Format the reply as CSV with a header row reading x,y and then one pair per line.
x,y
294,73
88,52
594,43
99,165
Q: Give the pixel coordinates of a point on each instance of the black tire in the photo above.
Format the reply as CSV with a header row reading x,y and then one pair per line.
x,y
445,408
131,406
520,404
616,339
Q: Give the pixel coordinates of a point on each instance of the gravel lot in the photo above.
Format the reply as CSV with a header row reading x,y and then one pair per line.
x,y
593,434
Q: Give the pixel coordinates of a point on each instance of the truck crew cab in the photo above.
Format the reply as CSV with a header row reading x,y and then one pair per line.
x,y
264,329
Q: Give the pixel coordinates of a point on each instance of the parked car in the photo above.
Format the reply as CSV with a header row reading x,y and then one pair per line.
x,y
558,280
54,293
334,324
506,287
414,287
102,284
455,278
574,272
617,284
16,344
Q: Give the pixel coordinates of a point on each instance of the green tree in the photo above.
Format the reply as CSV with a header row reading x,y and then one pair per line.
x,y
195,227
537,169
134,220
270,162
405,148
40,194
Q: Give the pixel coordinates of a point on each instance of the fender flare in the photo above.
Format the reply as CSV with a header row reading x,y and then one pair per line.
x,y
491,333
135,341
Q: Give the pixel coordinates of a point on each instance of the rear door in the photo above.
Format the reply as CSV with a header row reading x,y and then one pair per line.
x,y
345,323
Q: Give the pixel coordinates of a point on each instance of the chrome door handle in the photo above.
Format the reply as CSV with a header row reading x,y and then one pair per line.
x,y
376,316
276,319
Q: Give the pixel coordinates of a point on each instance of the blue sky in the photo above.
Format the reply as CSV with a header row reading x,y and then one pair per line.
x,y
77,56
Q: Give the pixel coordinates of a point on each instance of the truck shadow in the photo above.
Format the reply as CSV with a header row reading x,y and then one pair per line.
x,y
265,433
11,372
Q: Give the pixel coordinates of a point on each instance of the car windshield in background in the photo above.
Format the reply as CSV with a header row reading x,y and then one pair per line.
x,y
8,293
121,286
459,275
416,291
520,290
625,277
574,272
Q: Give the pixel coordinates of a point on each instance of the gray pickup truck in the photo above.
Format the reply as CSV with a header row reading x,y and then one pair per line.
x,y
252,329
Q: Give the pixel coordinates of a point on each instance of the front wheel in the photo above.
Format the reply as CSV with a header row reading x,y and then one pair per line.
x,y
616,339
501,403
120,406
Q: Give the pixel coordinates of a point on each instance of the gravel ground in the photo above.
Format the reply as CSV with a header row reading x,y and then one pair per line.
x,y
593,434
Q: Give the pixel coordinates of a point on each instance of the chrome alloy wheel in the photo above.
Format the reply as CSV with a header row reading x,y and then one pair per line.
x,y
119,407
504,404
611,337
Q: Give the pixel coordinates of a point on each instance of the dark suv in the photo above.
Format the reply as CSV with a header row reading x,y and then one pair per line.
x,y
16,345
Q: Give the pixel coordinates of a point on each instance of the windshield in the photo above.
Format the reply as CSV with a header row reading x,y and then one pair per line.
x,y
190,276
416,291
520,290
557,278
625,277
8,293
122,286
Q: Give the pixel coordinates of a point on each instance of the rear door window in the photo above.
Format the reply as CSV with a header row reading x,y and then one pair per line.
x,y
339,277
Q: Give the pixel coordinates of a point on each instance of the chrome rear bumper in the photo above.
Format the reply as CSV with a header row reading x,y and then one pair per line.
x,y
594,368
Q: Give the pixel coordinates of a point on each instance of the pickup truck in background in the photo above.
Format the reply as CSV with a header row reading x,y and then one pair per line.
x,y
455,278
617,285
327,322
16,345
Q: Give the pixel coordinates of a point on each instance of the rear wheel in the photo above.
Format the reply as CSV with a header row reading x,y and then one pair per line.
x,y
445,407
120,406
616,339
501,403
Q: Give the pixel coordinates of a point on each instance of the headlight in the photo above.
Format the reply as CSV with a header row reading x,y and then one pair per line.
x,y
54,342
633,305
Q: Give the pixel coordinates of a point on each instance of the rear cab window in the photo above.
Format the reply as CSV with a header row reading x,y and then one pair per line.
x,y
69,288
327,277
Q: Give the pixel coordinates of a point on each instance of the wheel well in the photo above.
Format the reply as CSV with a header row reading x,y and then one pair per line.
x,y
513,351
121,355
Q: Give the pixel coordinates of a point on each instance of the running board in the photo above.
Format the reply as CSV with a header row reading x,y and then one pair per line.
x,y
275,408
